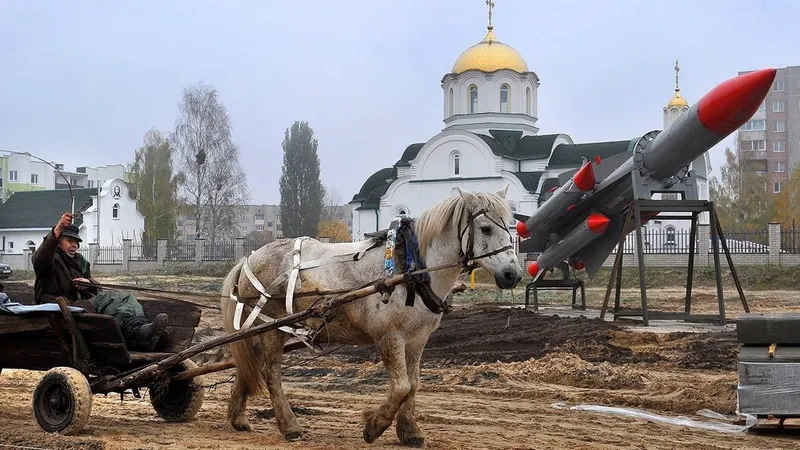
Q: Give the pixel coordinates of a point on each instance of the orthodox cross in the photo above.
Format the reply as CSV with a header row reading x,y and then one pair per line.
x,y
677,69
490,4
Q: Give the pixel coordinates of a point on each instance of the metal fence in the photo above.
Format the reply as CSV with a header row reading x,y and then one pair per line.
x,y
790,241
109,255
677,242
144,252
180,251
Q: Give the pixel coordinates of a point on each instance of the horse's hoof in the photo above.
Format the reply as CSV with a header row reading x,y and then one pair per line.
x,y
292,436
241,426
368,437
415,442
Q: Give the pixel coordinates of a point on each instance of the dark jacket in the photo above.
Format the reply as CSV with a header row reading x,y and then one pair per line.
x,y
55,271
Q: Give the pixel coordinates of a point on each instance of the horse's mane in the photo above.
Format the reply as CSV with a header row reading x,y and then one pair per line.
x,y
454,211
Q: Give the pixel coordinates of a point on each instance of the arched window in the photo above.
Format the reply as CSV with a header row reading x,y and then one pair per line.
x,y
455,163
504,98
473,98
670,231
528,101
450,103
115,211
30,245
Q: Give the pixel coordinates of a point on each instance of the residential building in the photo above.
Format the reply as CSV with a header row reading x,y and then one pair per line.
x,y
770,141
19,172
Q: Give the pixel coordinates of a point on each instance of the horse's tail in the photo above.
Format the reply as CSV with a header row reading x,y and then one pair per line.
x,y
248,364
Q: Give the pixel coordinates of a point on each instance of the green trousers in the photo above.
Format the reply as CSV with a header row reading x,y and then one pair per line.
x,y
122,306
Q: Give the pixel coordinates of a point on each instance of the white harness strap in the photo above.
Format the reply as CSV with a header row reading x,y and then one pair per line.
x,y
293,276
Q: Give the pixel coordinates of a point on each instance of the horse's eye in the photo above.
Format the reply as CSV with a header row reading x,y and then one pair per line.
x,y
486,229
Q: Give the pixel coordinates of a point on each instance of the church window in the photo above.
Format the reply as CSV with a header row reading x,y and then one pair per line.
x,y
528,101
450,102
504,98
670,234
473,99
115,211
456,165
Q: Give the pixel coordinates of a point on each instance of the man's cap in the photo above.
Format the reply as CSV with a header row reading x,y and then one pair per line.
x,y
71,231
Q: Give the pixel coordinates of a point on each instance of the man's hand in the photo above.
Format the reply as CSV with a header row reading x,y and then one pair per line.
x,y
63,223
82,280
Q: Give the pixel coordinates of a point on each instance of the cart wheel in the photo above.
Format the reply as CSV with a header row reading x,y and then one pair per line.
x,y
62,401
177,401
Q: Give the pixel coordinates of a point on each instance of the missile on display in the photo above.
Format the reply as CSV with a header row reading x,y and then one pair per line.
x,y
560,228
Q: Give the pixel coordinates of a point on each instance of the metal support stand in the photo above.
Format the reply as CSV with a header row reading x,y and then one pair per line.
x,y
695,207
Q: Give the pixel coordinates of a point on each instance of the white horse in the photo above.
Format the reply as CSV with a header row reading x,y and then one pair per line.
x,y
470,228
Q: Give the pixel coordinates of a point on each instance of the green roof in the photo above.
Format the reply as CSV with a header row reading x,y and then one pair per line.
x,y
410,153
42,209
571,155
373,200
529,179
511,144
374,181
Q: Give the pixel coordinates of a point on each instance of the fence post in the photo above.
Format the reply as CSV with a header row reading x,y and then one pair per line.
x,y
703,244
238,248
774,237
94,248
198,250
27,254
126,254
161,251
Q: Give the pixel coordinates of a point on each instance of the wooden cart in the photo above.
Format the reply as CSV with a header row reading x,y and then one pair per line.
x,y
81,351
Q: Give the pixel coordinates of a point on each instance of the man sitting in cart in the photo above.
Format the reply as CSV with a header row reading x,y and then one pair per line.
x,y
58,266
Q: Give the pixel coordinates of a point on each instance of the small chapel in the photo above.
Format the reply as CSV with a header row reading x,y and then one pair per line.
x,y
490,140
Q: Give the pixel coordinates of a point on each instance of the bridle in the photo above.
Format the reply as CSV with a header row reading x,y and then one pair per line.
x,y
467,258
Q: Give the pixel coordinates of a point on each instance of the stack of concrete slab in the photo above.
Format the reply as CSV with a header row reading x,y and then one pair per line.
x,y
769,364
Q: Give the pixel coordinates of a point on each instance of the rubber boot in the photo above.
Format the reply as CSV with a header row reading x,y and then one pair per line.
x,y
144,336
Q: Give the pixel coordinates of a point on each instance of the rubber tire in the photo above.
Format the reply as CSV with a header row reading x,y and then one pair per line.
x,y
181,400
71,389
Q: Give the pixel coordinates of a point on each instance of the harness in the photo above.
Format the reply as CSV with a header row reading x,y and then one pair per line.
x,y
401,255
468,257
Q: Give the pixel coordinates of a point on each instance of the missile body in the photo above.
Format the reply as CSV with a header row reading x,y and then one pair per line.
x,y
563,198
657,156
590,229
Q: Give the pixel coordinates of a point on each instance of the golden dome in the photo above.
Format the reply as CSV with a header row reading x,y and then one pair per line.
x,y
490,55
677,101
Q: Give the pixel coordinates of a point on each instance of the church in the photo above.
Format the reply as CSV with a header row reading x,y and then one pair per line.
x,y
490,140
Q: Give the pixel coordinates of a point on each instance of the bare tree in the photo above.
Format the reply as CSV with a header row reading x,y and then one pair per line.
x,y
214,185
331,203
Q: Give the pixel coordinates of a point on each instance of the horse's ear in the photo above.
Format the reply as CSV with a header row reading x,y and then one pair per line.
x,y
468,197
502,192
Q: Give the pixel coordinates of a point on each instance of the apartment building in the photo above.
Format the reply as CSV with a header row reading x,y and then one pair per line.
x,y
20,173
770,141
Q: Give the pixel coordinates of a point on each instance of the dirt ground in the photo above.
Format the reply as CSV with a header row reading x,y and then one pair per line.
x,y
492,377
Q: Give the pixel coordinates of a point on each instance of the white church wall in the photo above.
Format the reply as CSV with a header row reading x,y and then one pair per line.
x,y
436,160
119,219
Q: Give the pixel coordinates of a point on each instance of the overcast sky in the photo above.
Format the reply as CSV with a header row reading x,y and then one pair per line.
x,y
82,81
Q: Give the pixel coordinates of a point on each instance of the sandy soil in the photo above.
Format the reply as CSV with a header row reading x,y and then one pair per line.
x,y
490,379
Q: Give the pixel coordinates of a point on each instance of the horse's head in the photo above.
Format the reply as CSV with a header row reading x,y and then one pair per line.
x,y
484,235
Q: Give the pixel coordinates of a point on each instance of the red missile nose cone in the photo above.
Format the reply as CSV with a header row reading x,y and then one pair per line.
x,y
522,229
533,269
597,223
733,102
584,178
577,265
